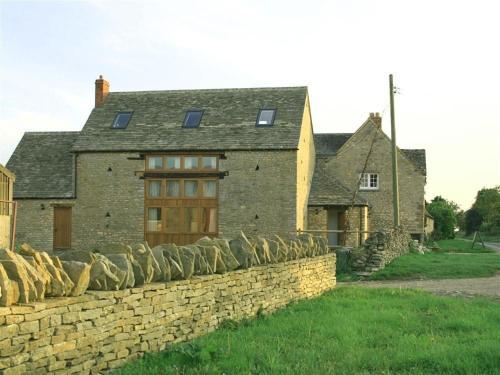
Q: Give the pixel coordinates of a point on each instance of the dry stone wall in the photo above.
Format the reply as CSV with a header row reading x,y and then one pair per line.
x,y
379,249
101,330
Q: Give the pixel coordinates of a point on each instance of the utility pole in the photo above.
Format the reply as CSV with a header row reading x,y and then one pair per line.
x,y
395,185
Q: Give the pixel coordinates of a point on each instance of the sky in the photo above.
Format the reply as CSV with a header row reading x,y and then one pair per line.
x,y
444,56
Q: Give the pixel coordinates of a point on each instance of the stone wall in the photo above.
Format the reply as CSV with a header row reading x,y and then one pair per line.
x,y
102,330
35,221
380,249
259,194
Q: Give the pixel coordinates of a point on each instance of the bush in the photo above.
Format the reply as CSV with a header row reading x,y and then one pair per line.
x,y
444,213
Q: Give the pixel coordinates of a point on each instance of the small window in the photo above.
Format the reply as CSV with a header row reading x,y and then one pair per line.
x,y
173,162
192,119
191,162
155,162
209,189
173,188
266,117
369,181
154,219
121,120
190,189
154,189
209,162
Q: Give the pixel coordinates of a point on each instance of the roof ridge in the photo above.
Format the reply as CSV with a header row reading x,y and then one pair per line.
x,y
53,132
214,89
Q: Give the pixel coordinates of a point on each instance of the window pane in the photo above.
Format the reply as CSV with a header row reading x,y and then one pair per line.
x,y
373,180
155,162
192,119
209,189
209,162
173,188
154,219
173,162
154,189
191,162
121,120
173,219
266,117
209,220
190,189
190,220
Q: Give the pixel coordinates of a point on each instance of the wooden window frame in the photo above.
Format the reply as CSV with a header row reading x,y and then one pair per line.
x,y
369,177
200,168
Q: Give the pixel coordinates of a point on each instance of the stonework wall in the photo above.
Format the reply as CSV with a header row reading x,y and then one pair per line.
x,y
380,249
348,165
306,157
103,330
36,225
258,201
317,219
119,192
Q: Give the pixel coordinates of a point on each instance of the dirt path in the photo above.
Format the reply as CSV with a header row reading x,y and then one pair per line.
x,y
486,286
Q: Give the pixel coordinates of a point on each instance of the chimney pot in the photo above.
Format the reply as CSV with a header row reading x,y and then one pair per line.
x,y
376,119
101,90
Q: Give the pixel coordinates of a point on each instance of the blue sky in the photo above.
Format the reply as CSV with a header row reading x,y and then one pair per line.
x,y
444,56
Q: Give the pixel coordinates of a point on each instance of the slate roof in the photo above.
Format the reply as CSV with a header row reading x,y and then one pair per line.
x,y
330,143
417,157
43,165
228,121
326,190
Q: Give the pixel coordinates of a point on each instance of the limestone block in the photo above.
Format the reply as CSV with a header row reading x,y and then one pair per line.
x,y
171,253
142,253
187,257
78,256
164,266
230,262
79,273
16,271
262,250
122,261
103,274
8,295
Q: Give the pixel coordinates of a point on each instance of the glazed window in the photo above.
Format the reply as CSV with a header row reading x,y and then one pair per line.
x,y
173,162
190,188
155,162
266,117
190,162
154,190
192,119
209,162
121,120
209,189
208,219
154,219
369,181
173,188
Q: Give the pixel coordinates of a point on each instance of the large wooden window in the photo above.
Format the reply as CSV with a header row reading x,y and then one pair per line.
x,y
181,198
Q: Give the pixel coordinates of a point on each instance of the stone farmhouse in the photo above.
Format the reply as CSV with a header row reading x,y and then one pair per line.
x,y
174,166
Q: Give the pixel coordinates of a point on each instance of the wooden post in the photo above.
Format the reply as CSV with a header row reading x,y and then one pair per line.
x,y
395,185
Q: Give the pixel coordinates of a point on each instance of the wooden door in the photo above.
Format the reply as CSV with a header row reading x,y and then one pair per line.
x,y
62,227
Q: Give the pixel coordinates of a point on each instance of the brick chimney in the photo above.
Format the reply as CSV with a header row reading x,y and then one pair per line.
x,y
376,119
101,91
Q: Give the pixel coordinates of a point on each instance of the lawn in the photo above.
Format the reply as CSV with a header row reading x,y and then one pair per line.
x,y
439,266
347,331
484,236
461,246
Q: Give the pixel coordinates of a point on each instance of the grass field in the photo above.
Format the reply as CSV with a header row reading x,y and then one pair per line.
x,y
347,331
439,266
461,246
485,237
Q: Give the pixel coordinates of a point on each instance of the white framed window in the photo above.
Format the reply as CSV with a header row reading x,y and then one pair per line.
x,y
369,181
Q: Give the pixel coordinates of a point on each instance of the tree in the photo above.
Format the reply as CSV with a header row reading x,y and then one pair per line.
x,y
473,221
444,213
485,212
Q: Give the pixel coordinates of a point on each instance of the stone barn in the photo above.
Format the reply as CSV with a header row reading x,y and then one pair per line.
x,y
6,207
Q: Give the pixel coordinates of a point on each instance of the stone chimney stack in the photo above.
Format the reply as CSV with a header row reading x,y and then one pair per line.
x,y
376,119
101,91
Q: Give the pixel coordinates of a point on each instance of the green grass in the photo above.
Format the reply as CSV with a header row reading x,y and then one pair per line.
x,y
439,266
461,246
484,236
347,331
